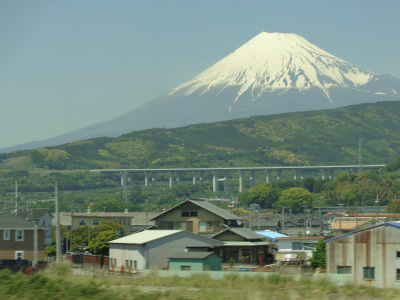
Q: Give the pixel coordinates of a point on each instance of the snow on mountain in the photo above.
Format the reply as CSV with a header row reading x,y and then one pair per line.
x,y
272,73
273,61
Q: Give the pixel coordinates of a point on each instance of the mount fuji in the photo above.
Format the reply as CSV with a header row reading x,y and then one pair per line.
x,y
272,73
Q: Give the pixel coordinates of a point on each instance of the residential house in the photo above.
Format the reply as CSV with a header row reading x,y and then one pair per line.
x,y
151,249
197,216
21,239
260,222
95,218
42,217
243,245
372,255
296,249
194,261
141,220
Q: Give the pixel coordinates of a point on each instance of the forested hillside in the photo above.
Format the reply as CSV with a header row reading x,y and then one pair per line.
x,y
306,138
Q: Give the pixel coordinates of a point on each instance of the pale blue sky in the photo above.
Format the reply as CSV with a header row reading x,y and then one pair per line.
x,y
65,65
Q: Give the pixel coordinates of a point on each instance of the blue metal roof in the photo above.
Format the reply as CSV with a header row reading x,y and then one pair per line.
x,y
271,234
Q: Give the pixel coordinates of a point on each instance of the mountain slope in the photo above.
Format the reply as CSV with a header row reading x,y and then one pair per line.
x,y
272,73
328,137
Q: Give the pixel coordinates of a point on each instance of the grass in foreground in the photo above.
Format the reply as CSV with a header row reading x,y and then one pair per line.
x,y
60,284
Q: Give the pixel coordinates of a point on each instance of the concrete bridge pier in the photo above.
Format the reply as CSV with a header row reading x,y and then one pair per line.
x,y
194,177
178,177
323,171
295,175
146,178
268,176
171,179
241,181
215,181
201,177
124,178
279,175
226,181
252,178
331,174
153,180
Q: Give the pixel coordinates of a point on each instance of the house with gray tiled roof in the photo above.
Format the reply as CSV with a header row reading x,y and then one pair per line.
x,y
243,245
196,216
19,237
42,217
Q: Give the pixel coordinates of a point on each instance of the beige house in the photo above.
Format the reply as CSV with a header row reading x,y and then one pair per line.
x,y
92,219
196,216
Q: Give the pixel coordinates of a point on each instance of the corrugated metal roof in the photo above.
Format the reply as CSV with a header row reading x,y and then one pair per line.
x,y
272,234
191,255
205,205
393,224
144,237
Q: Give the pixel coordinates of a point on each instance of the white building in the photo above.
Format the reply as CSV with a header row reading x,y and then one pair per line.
x,y
290,249
151,249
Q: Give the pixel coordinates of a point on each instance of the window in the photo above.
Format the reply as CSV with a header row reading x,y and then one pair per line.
x,y
308,246
19,254
135,264
82,223
180,225
398,254
115,262
96,222
369,273
185,268
206,226
189,213
6,235
19,235
130,264
126,263
297,245
397,274
343,270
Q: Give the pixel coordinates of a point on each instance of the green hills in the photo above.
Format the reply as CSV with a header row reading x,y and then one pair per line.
x,y
294,139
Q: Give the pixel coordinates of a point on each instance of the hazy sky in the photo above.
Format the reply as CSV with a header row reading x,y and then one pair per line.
x,y
65,65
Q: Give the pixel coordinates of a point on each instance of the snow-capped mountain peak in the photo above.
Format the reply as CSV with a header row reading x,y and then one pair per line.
x,y
275,61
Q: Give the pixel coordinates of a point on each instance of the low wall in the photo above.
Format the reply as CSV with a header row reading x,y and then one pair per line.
x,y
94,263
338,279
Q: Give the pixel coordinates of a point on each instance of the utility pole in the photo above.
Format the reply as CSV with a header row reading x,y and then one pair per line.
x,y
283,219
58,232
35,247
72,219
16,198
